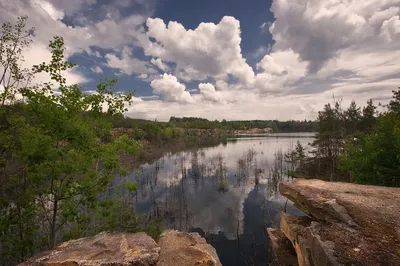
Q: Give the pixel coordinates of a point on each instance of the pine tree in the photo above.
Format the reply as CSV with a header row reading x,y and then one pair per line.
x,y
394,105
368,119
352,118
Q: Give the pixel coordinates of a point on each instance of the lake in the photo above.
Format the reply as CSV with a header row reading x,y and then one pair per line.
x,y
227,193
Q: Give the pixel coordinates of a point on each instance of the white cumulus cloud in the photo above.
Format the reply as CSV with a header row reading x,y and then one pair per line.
x,y
322,48
319,30
170,89
210,50
209,93
128,64
160,64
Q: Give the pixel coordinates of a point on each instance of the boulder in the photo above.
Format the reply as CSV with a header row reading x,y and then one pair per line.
x,y
103,249
186,249
348,224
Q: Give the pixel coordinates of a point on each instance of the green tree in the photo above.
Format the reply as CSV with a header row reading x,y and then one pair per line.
x,y
352,120
394,105
300,154
13,39
64,155
291,159
329,140
168,133
296,157
57,157
368,119
17,210
375,158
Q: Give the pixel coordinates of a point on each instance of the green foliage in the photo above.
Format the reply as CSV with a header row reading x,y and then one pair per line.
x,y
152,127
277,126
57,156
374,157
168,133
13,39
112,214
330,134
356,145
336,129
61,153
368,119
291,173
296,158
394,105
352,119
300,152
131,186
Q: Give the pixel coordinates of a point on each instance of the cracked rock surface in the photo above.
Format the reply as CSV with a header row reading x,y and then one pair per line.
x,y
105,249
346,224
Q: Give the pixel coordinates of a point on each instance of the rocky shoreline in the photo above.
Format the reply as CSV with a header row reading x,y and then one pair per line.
x,y
346,224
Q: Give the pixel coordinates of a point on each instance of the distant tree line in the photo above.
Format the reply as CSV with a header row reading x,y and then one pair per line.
x,y
164,133
277,126
202,123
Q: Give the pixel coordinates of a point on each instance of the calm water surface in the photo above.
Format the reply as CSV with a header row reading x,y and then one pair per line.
x,y
227,193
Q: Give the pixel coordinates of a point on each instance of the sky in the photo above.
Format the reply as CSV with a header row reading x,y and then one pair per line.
x,y
223,59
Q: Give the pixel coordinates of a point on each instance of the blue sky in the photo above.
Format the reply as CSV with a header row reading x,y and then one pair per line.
x,y
190,14
251,14
224,59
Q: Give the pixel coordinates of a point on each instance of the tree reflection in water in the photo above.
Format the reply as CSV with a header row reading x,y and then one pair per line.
x,y
229,194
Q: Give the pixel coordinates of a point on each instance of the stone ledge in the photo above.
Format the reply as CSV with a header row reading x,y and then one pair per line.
x,y
282,248
186,249
347,224
104,249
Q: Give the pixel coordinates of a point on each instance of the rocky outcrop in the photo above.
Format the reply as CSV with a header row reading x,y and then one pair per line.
x,y
303,233
186,249
173,248
102,249
346,224
282,247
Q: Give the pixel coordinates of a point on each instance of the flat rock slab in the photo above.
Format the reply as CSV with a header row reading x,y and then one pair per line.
x,y
101,250
186,249
362,222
